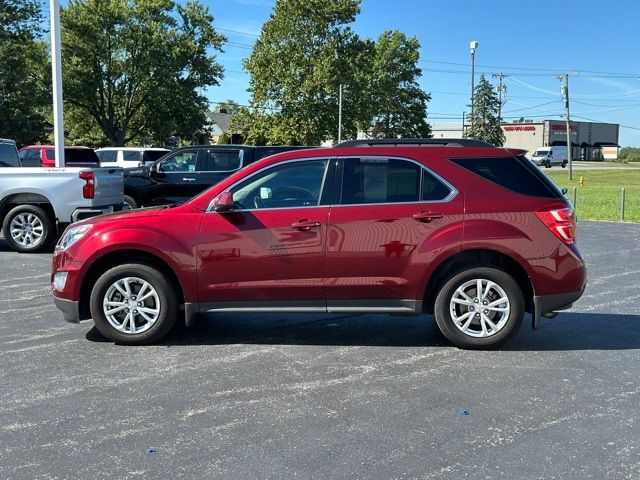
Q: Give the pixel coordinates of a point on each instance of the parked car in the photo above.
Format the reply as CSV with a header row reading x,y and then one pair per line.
x,y
548,156
187,171
129,157
458,228
45,156
37,203
8,153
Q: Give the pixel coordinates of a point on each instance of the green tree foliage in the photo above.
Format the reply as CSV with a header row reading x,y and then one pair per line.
x,y
630,154
136,69
485,122
400,105
24,73
305,51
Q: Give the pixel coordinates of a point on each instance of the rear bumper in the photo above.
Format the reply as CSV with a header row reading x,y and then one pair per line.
x,y
69,308
84,213
551,303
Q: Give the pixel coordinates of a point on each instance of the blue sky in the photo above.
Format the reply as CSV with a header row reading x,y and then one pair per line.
x,y
517,37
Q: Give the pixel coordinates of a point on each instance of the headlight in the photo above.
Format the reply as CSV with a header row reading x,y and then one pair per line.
x,y
72,236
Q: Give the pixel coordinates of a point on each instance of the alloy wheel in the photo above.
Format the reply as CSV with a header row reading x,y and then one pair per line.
x,y
479,308
131,305
27,230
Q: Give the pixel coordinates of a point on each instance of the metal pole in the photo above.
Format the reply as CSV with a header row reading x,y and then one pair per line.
x,y
473,57
622,205
463,124
56,73
575,196
569,144
340,115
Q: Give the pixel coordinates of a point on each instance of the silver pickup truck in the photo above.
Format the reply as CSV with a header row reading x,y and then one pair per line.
x,y
37,203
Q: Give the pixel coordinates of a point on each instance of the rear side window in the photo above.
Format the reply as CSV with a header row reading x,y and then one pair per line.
x,y
83,156
513,173
222,160
8,155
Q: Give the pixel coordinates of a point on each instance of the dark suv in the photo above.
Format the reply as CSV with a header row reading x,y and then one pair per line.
x,y
187,171
474,234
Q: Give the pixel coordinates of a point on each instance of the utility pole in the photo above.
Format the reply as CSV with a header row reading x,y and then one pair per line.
x,y
463,124
472,46
502,88
56,74
340,115
565,92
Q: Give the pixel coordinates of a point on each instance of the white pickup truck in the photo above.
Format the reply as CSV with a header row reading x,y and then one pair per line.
x,y
37,203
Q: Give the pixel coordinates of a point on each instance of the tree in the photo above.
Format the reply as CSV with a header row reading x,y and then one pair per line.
x,y
485,121
230,106
136,69
400,104
305,51
24,73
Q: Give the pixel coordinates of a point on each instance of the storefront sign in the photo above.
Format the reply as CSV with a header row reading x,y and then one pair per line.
x,y
519,128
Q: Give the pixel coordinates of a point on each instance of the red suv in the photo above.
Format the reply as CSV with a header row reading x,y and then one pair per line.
x,y
474,234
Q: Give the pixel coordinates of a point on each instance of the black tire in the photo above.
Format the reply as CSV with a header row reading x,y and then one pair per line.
x,y
513,322
564,164
548,164
168,304
129,200
45,221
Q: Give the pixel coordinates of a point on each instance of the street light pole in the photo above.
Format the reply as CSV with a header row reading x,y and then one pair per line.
x,y
56,74
473,45
565,93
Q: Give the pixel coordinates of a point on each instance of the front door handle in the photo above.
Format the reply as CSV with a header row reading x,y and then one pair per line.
x,y
426,216
305,225
188,179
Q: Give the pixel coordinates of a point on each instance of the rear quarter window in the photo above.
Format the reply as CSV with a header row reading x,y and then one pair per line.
x,y
513,173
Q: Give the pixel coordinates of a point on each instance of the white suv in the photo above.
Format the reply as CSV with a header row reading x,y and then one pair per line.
x,y
129,157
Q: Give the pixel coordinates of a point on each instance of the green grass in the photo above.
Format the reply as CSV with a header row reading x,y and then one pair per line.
x,y
608,164
599,197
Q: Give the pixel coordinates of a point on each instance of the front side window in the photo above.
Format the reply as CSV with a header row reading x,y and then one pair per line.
x,y
184,161
222,160
131,156
107,156
291,185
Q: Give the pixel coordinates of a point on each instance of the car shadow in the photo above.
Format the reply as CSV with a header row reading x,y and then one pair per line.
x,y
568,331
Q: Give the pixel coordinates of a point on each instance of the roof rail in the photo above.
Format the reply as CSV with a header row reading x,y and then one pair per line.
x,y
441,142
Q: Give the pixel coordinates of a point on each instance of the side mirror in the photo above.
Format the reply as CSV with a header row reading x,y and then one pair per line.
x,y
223,202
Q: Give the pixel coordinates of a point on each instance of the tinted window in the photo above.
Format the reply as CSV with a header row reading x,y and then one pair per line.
x,y
373,180
222,160
129,156
108,156
50,153
183,161
80,156
432,188
8,156
30,158
513,173
292,185
152,155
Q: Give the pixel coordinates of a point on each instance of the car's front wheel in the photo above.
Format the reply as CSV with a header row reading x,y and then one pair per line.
x,y
479,308
133,304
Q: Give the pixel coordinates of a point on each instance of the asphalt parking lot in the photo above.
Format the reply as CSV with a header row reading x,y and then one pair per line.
x,y
287,396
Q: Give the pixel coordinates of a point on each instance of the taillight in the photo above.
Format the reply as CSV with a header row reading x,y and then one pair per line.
x,y
89,188
561,222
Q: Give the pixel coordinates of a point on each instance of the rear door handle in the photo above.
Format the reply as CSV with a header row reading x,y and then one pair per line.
x,y
305,225
426,216
188,179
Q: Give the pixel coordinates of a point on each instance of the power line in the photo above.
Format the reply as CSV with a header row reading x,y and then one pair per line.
x,y
239,32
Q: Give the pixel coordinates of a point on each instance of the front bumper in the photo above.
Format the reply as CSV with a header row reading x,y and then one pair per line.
x,y
551,303
70,309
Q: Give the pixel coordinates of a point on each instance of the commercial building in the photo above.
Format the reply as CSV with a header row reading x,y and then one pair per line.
x,y
589,140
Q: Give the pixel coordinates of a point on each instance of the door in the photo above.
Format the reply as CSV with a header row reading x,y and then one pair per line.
x,y
268,252
219,163
383,231
175,179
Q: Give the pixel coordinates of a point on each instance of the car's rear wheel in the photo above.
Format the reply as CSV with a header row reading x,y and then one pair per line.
x,y
548,164
27,229
479,308
133,304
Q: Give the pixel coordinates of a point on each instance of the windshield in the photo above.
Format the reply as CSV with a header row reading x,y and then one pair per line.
x,y
540,153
